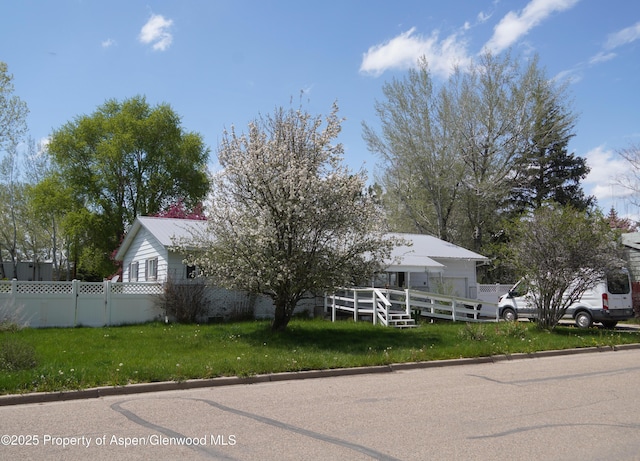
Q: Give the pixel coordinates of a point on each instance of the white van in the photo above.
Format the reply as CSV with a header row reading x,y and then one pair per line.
x,y
607,302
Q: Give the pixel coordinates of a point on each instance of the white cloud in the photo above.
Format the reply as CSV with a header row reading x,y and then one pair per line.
x,y
623,37
606,170
601,57
156,32
108,43
515,25
403,52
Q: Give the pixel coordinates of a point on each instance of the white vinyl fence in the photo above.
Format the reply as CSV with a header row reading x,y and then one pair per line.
x,y
97,304
75,303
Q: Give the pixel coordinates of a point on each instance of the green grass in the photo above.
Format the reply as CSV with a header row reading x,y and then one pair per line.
x,y
77,358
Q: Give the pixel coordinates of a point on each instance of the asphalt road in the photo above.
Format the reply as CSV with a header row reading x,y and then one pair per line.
x,y
571,407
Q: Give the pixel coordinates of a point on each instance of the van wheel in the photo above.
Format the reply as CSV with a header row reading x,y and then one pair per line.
x,y
509,315
583,320
609,323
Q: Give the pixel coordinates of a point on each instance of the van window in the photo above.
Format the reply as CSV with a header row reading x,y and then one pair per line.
x,y
618,283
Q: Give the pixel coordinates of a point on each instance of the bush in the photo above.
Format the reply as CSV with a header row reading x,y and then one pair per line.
x,y
186,301
16,354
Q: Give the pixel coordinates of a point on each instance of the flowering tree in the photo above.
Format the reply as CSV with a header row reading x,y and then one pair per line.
x,y
289,219
179,210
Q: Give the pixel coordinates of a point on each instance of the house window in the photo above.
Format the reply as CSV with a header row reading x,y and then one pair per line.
x,y
151,272
133,272
192,272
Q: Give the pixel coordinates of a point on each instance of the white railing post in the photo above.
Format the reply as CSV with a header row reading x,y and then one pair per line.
x,y
333,307
374,306
355,305
407,301
453,309
386,308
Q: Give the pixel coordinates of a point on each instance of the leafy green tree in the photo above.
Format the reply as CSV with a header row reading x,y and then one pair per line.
x,y
562,252
289,219
124,160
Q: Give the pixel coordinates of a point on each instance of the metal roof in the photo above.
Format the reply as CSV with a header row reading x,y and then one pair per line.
x,y
165,230
426,252
421,254
631,240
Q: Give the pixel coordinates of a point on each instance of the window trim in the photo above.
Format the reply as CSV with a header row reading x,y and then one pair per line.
x,y
151,275
134,271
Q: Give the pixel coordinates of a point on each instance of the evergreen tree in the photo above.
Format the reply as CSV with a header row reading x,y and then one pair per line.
x,y
546,171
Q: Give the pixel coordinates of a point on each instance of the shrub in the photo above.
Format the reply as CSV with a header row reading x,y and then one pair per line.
x,y
186,301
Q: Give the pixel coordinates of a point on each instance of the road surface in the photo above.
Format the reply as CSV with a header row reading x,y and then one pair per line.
x,y
570,407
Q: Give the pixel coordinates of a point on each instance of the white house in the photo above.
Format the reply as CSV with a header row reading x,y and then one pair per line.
x,y
426,263
146,252
431,264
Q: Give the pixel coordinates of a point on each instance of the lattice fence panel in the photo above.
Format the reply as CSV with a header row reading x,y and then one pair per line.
x,y
45,288
91,288
137,288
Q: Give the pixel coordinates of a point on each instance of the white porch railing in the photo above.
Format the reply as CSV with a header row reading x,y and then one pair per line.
x,y
382,304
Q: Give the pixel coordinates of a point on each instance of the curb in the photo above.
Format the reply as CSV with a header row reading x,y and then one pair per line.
x,y
141,388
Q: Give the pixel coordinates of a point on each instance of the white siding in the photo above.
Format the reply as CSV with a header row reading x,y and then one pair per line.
x,y
176,269
143,248
459,279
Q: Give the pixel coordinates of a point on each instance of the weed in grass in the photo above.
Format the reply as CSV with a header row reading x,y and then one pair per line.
x,y
16,353
473,332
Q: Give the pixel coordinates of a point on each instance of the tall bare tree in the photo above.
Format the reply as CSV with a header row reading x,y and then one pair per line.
x,y
421,170
631,179
493,103
13,126
448,154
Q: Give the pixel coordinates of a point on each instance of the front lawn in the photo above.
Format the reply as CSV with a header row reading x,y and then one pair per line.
x,y
78,358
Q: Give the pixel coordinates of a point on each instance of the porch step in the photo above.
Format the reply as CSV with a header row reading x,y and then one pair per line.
x,y
401,320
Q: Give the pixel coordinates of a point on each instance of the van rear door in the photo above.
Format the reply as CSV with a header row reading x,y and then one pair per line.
x,y
619,290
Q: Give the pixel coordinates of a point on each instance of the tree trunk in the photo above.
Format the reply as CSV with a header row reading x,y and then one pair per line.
x,y
281,316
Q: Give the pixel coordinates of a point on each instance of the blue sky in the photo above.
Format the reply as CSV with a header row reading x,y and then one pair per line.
x,y
222,63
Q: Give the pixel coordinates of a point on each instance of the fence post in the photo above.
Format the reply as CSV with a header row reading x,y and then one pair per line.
x,y
14,292
453,309
74,293
107,302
